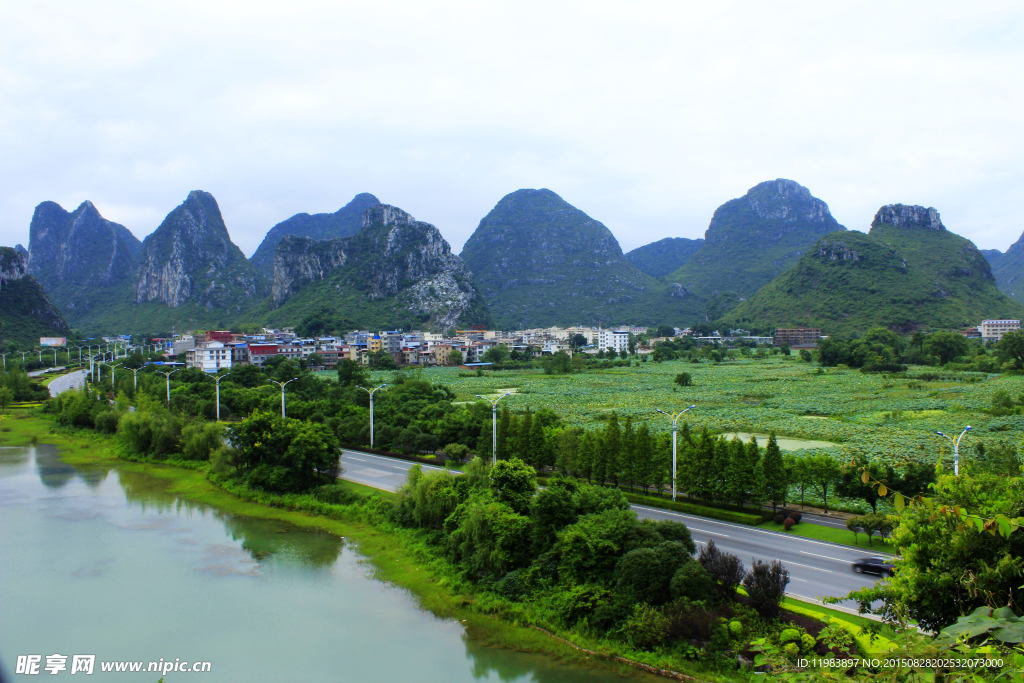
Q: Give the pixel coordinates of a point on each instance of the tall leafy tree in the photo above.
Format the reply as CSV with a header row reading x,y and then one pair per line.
x,y
628,453
644,457
776,484
612,443
587,455
523,445
825,473
505,445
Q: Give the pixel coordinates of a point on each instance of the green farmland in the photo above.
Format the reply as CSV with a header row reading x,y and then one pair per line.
x,y
888,417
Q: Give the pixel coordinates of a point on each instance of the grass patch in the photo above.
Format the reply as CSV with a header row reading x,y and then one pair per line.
x,y
830,534
364,490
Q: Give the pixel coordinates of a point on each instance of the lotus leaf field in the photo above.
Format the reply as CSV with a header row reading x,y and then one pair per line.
x,y
893,418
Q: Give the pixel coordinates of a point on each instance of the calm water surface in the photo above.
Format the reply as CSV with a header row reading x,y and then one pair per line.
x,y
97,561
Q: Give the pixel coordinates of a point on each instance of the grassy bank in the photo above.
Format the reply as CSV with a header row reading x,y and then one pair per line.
x,y
826,533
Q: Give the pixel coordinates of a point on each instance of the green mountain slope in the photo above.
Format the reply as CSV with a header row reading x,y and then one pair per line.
x,y
539,261
907,273
1008,269
395,272
84,261
664,256
25,311
755,238
344,222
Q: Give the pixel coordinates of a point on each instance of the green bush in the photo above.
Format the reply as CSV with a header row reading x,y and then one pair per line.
x,y
645,628
808,642
199,440
736,629
106,421
789,635
693,582
336,494
456,451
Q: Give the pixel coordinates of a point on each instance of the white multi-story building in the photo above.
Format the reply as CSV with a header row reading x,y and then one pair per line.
x,y
993,330
209,358
615,339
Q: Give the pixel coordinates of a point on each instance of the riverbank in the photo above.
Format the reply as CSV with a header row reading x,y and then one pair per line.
x,y
397,556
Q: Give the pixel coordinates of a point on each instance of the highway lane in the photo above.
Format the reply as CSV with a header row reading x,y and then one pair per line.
x,y
816,568
68,381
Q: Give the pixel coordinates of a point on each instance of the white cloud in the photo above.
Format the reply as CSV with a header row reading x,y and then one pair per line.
x,y
647,116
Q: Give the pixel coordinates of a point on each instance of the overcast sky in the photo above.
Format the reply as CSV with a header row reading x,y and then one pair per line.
x,y
645,115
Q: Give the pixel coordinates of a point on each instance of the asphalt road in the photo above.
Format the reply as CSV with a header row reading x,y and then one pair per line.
x,y
816,568
68,381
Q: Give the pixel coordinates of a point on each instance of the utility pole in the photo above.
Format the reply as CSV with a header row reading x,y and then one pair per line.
x,y
218,378
675,419
168,375
956,448
370,392
494,425
282,385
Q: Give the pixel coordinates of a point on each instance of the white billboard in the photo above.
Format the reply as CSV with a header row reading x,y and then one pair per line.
x,y
53,341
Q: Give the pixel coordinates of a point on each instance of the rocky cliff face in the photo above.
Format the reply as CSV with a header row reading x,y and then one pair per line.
x,y
394,262
191,258
906,216
69,252
25,311
344,222
754,238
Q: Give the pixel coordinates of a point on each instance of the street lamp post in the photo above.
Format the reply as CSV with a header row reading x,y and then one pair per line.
x,y
135,374
113,377
370,392
282,385
956,448
168,375
494,425
5,360
218,379
675,420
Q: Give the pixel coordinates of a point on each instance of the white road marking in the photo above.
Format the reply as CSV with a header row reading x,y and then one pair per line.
x,y
807,566
825,556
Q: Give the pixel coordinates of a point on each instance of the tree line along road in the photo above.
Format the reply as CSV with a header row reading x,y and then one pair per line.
x,y
816,568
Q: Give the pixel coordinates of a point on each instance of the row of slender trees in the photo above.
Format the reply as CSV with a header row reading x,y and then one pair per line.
x,y
712,469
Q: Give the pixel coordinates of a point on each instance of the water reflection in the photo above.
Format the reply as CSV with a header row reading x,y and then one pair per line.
x,y
119,566
490,663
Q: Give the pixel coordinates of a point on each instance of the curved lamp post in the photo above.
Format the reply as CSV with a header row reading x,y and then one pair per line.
x,y
370,392
282,385
168,375
675,421
113,377
218,378
956,448
494,425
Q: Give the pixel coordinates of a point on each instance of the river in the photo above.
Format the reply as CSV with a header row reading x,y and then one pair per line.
x,y
106,562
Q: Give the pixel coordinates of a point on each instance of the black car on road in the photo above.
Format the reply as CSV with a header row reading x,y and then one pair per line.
x,y
873,565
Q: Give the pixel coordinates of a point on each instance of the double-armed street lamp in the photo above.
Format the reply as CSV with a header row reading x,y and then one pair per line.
x,y
956,448
494,425
370,392
113,376
5,360
218,378
168,375
280,384
675,421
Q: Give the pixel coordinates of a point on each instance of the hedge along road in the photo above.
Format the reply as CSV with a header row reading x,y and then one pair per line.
x,y
816,568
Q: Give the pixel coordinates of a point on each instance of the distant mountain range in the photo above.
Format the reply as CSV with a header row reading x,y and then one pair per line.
x,y
26,312
773,256
908,273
